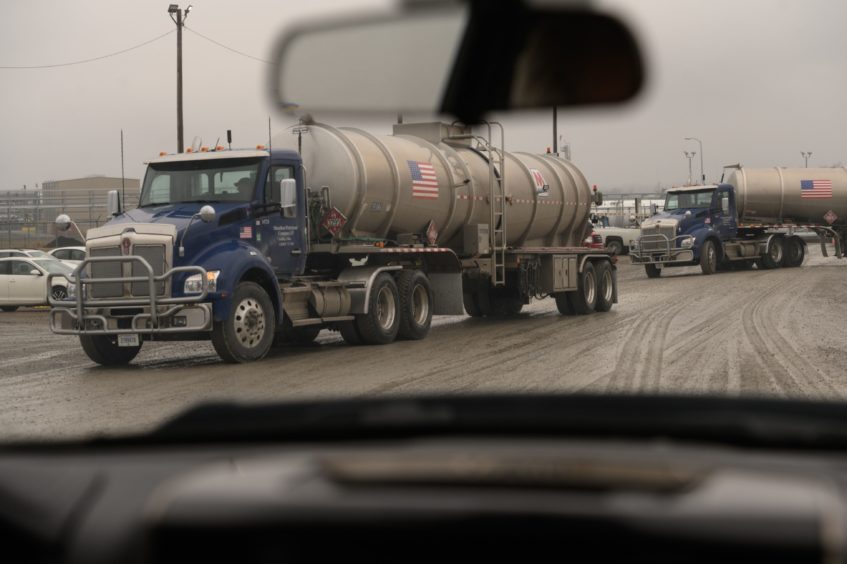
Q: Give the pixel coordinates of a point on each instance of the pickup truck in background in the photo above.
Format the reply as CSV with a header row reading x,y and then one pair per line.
x,y
618,240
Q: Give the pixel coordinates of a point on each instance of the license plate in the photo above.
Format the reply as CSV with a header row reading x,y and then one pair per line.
x,y
128,340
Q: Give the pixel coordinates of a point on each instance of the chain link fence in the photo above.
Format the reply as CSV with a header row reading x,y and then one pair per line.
x,y
27,218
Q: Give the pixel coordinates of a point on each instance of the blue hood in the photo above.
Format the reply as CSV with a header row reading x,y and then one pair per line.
x,y
686,224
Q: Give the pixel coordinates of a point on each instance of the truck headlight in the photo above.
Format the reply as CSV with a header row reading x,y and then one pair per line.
x,y
687,242
194,283
633,245
71,289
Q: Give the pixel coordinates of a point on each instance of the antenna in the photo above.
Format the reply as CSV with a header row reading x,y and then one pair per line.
x,y
123,177
270,146
229,138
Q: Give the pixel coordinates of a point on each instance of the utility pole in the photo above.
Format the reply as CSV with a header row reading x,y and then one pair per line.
x,y
689,156
702,174
179,20
806,155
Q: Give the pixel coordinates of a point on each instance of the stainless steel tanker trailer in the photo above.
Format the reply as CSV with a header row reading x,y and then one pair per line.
x,y
369,235
751,219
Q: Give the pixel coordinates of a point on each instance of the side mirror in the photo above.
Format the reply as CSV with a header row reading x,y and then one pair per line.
x,y
207,213
288,193
113,203
687,213
35,272
63,222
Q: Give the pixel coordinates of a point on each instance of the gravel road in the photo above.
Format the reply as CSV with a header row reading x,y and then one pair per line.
x,y
778,332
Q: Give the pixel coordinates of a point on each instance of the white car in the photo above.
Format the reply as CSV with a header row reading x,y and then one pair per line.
x,y
31,253
71,256
23,281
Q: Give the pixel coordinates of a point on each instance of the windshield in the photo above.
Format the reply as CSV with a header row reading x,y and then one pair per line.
x,y
390,253
688,200
210,180
38,254
53,266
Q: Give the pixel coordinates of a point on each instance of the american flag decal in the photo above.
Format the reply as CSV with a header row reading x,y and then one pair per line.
x,y
424,181
246,232
816,189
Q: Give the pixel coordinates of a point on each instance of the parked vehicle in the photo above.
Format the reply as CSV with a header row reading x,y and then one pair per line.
x,y
618,240
370,236
71,256
594,240
32,253
750,220
28,281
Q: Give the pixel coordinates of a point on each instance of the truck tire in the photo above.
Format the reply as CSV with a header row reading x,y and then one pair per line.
x,y
505,303
350,333
59,293
584,300
415,304
795,252
380,324
104,350
10,309
471,306
615,247
563,303
774,254
248,332
605,287
709,257
652,270
482,299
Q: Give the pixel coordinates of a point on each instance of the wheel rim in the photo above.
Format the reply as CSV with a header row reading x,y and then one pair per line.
x,y
58,294
590,291
420,305
385,308
249,323
712,256
606,289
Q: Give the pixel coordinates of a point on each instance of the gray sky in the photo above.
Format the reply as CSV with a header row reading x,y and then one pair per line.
x,y
757,81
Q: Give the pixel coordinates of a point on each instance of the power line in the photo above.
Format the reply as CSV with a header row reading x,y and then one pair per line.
x,y
219,44
92,59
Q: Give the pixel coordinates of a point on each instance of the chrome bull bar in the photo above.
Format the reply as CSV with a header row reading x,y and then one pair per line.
x,y
662,245
76,307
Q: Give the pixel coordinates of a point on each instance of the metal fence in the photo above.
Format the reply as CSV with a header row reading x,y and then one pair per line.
x,y
628,210
27,218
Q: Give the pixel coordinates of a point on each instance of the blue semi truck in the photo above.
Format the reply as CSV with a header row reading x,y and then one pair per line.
x,y
369,236
751,220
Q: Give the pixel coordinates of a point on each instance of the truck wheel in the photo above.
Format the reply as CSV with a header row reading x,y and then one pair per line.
x,y
605,287
104,349
615,247
59,293
379,326
652,270
350,333
774,254
563,303
248,333
505,303
709,258
584,300
483,301
471,307
415,304
795,252
9,308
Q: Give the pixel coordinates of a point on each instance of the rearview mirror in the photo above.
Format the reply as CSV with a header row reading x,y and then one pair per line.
x,y
463,59
113,202
288,193
35,272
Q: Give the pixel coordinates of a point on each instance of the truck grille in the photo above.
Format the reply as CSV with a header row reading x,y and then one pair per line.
x,y
649,243
154,254
106,270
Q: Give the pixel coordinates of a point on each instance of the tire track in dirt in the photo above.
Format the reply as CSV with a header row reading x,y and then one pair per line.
x,y
638,366
791,373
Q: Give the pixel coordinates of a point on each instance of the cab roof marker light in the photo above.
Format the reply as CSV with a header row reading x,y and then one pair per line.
x,y
163,153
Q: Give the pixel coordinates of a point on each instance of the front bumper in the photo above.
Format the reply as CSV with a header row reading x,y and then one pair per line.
x,y
150,314
660,249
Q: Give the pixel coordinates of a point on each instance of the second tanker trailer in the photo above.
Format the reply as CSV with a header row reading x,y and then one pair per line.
x,y
752,219
367,235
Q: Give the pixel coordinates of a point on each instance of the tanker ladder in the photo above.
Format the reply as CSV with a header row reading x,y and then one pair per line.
x,y
497,202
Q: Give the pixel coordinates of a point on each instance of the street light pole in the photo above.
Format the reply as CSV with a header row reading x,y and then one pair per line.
x,y
179,20
689,156
806,155
702,173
